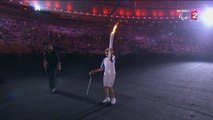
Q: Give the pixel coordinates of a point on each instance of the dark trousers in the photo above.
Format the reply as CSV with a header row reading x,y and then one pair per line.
x,y
51,73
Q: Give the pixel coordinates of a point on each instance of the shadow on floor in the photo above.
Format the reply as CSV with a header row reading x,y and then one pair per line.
x,y
77,97
85,113
89,112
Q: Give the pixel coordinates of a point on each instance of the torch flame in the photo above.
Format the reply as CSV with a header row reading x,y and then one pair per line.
x,y
114,28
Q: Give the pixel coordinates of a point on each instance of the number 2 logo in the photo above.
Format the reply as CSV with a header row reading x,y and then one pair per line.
x,y
194,15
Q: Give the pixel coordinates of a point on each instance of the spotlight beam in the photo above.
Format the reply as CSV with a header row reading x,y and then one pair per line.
x,y
207,16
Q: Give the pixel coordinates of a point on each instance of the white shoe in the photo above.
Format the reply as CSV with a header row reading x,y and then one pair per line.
x,y
113,101
106,100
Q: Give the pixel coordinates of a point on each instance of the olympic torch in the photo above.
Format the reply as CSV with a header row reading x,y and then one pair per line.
x,y
111,40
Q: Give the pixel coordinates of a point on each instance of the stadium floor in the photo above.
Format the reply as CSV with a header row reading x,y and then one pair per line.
x,y
154,90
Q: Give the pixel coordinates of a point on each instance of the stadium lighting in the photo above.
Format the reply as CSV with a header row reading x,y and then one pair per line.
x,y
207,16
37,8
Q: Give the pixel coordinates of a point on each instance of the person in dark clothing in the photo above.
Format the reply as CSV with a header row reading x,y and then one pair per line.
x,y
51,65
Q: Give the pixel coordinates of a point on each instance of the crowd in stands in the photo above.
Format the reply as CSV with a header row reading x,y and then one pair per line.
x,y
26,35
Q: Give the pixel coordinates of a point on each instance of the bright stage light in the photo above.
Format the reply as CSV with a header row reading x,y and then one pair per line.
x,y
37,8
207,16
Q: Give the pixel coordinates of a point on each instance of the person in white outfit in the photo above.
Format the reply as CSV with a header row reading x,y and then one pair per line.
x,y
108,65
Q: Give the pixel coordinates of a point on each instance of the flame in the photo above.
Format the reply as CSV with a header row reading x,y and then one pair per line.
x,y
114,28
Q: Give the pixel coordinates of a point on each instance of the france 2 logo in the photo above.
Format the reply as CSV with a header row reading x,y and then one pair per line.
x,y
194,15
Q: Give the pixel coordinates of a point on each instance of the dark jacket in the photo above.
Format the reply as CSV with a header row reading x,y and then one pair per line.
x,y
52,59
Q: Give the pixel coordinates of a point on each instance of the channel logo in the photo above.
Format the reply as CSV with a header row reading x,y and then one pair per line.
x,y
187,14
194,15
